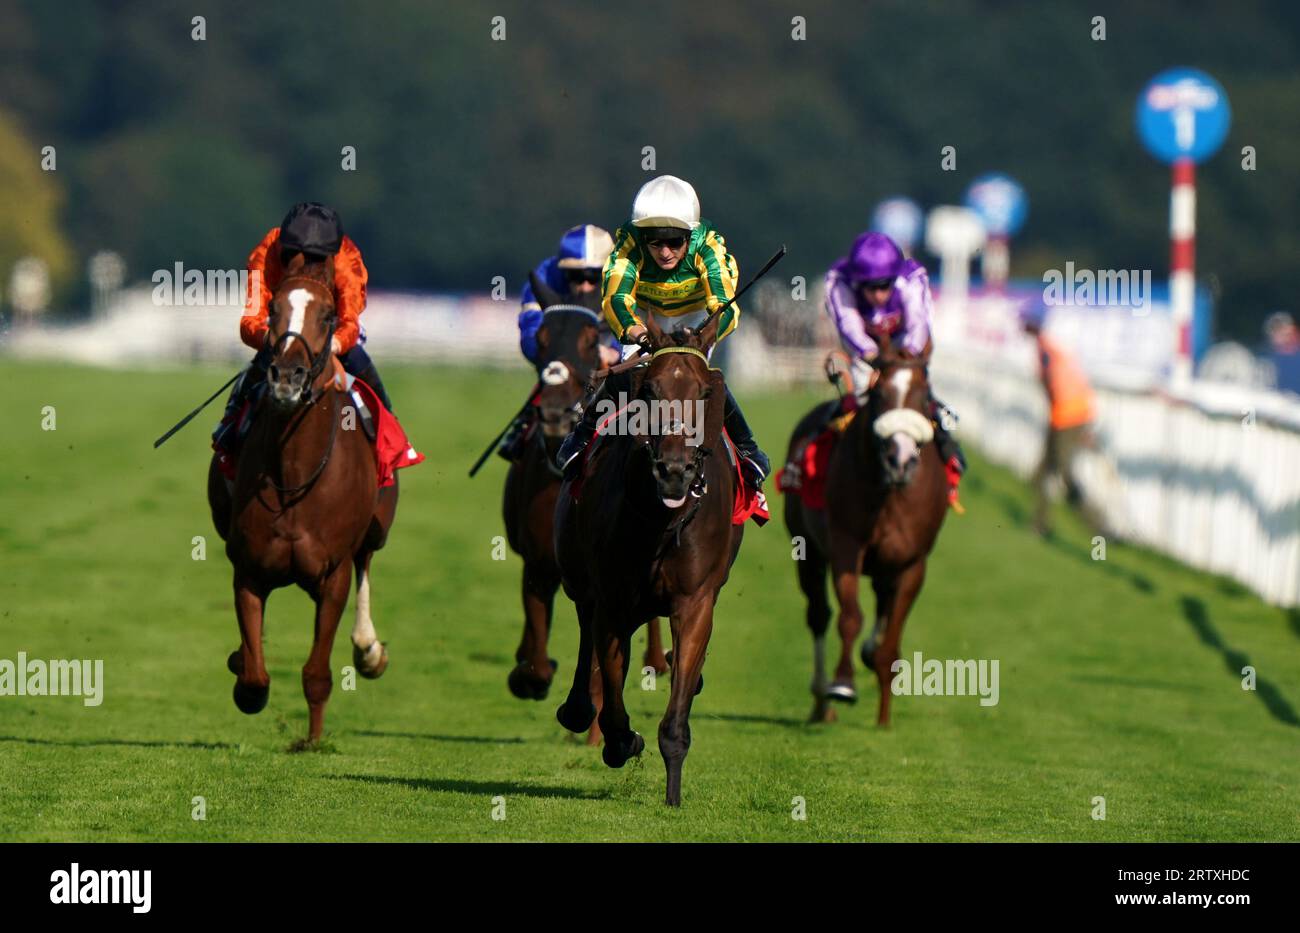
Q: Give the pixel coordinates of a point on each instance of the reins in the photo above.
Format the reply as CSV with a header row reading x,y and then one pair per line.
x,y
318,361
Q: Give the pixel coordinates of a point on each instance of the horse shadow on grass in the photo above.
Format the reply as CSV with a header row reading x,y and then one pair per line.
x,y
127,743
786,721
1015,512
1234,661
1293,621
434,737
487,788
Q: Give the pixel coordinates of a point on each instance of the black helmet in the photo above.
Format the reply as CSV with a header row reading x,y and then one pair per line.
x,y
312,228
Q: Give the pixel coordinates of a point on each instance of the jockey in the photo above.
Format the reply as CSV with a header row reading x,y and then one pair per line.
x,y
667,261
315,231
574,272
874,290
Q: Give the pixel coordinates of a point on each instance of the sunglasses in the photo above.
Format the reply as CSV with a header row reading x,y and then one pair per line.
x,y
591,276
878,285
672,242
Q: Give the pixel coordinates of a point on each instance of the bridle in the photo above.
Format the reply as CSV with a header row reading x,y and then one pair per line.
x,y
306,400
650,444
556,372
904,417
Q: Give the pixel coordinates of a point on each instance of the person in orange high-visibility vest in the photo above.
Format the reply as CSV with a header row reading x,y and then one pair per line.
x,y
1072,409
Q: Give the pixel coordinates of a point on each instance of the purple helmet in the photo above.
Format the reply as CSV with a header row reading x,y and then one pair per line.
x,y
874,256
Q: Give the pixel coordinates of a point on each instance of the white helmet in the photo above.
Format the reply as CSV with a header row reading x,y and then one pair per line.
x,y
666,201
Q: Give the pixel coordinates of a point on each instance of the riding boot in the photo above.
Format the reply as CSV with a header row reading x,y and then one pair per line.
x,y
753,462
357,362
954,461
225,437
511,447
569,455
947,445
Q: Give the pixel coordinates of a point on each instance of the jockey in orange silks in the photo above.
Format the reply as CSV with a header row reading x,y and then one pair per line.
x,y
315,231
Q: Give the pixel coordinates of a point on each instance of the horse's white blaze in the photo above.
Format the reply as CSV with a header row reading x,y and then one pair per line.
x,y
902,381
363,632
299,298
907,448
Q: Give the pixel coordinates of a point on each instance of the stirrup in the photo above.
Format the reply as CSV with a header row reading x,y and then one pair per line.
x,y
568,463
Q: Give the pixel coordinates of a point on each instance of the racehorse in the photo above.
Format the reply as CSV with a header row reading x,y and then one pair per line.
x,y
650,534
305,506
886,498
567,353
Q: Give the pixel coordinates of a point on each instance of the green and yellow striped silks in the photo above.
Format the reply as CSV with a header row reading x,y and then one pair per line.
x,y
704,279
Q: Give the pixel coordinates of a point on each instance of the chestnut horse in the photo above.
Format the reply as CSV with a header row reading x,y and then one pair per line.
x,y
886,498
650,534
305,506
567,353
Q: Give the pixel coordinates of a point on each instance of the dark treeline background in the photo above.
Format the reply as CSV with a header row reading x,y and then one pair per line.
x,y
473,155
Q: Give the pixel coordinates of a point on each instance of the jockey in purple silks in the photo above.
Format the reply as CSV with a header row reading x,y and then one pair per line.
x,y
874,291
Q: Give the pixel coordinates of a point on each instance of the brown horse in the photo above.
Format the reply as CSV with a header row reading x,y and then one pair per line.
x,y
651,534
305,506
886,498
567,353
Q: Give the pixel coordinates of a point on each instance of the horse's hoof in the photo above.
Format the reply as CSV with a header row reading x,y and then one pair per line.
x,y
235,663
368,670
842,692
251,699
823,712
576,720
525,686
868,653
616,753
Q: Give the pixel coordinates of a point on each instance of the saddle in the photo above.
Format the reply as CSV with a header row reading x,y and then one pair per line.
x,y
748,503
805,473
387,438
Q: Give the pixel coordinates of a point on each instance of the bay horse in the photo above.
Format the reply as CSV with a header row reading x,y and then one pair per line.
x,y
305,506
651,534
567,354
886,499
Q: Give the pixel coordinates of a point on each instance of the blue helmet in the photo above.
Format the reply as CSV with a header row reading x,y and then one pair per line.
x,y
585,246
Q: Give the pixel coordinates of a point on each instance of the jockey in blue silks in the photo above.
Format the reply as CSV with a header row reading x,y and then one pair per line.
x,y
574,272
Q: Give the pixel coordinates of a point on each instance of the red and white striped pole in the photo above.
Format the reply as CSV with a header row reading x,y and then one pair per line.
x,y
1182,266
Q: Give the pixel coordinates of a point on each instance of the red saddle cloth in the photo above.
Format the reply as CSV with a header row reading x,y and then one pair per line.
x,y
391,448
810,483
749,503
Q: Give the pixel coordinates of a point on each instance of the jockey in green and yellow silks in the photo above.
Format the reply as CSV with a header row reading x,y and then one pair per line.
x,y
669,262
704,278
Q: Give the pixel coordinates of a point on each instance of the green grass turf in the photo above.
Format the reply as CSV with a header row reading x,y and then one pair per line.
x,y
1118,679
